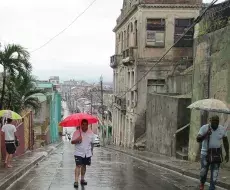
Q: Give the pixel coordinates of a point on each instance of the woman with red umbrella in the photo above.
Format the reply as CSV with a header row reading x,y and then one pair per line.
x,y
83,139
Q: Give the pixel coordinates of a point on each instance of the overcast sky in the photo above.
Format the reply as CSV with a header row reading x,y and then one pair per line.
x,y
81,52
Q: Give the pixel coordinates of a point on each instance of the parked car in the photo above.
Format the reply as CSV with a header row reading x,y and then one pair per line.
x,y
96,140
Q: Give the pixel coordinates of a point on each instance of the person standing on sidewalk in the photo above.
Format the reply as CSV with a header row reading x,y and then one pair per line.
x,y
9,131
211,136
83,140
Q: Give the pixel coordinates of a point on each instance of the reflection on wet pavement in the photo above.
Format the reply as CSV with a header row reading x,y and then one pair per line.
x,y
109,170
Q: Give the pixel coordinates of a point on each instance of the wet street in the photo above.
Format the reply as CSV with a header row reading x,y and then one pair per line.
x,y
109,170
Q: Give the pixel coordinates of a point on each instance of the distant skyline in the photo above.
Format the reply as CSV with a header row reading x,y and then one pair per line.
x,y
82,52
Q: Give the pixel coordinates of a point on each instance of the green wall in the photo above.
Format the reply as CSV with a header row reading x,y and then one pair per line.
x,y
55,116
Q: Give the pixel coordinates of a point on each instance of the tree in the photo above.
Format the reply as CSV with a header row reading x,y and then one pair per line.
x,y
14,60
21,92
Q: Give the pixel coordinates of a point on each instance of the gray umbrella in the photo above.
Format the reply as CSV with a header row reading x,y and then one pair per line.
x,y
212,105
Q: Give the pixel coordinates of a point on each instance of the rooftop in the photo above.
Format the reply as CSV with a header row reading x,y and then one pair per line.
x,y
44,85
41,97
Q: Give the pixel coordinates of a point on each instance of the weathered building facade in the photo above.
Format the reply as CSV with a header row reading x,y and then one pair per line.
x,y
145,30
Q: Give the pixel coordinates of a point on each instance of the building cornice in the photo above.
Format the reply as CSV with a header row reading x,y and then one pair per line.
x,y
123,18
171,6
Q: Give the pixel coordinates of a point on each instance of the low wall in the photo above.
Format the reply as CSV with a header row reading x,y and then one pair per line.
x,y
165,114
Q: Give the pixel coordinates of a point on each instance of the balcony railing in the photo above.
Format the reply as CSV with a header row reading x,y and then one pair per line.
x,y
120,103
114,61
128,56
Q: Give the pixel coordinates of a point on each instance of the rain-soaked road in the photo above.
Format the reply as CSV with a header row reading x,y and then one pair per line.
x,y
109,170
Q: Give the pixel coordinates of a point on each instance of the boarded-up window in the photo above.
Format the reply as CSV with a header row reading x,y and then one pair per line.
x,y
156,86
181,25
155,32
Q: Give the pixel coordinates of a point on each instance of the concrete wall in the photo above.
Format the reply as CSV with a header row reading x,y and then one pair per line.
x,y
211,52
165,114
180,84
42,114
159,72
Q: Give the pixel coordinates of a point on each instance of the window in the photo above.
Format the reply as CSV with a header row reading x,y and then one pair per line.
x,y
181,25
136,40
153,82
131,27
128,30
155,33
133,79
122,42
156,86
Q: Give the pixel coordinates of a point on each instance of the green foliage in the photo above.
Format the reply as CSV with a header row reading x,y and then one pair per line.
x,y
211,25
20,93
15,61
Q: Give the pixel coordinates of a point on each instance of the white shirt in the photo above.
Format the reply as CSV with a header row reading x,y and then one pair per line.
x,y
215,138
84,149
9,131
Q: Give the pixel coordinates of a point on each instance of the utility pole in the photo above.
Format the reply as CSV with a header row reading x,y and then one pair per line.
x,y
91,99
102,108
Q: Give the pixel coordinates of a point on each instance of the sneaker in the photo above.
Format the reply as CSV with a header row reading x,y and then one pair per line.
x,y
201,186
83,182
75,185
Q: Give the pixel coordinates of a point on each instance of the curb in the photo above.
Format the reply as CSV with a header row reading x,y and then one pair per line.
x,y
21,171
169,167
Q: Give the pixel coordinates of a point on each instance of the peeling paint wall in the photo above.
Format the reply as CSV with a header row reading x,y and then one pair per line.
x,y
180,84
212,53
165,114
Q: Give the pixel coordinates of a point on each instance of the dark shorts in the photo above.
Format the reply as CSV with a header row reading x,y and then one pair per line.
x,y
82,161
10,148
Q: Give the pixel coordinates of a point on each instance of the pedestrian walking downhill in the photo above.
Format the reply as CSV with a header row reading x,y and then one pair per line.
x,y
211,136
83,141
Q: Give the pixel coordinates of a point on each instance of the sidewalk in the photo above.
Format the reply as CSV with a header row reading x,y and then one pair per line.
x,y
191,169
22,164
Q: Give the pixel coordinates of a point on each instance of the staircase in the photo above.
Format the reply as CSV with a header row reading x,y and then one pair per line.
x,y
140,143
182,153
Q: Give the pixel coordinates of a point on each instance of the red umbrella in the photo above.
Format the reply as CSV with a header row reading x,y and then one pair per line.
x,y
76,119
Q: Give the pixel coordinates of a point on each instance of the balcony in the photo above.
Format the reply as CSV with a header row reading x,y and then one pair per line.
x,y
120,103
114,61
128,56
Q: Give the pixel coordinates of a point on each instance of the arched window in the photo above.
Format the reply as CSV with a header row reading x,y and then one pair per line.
x,y
122,41
125,40
131,27
135,28
128,36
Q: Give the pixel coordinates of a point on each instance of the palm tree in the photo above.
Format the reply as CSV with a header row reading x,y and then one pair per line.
x,y
14,59
21,92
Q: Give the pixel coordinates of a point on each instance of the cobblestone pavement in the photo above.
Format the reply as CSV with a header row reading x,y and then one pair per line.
x,y
109,170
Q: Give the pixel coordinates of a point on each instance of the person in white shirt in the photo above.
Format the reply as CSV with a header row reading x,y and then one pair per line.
x,y
83,141
9,131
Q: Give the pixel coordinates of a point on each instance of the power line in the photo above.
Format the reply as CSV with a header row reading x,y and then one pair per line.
x,y
62,31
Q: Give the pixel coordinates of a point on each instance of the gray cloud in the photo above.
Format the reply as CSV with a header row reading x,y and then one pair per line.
x,y
83,51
